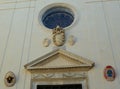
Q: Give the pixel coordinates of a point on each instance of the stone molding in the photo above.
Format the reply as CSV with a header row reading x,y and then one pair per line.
x,y
78,61
37,76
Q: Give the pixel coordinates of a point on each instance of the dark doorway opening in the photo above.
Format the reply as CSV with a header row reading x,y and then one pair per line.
x,y
65,86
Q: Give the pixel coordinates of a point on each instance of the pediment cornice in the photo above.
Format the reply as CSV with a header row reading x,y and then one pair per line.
x,y
60,59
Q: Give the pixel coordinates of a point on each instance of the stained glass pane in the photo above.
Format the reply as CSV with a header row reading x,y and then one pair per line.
x,y
57,16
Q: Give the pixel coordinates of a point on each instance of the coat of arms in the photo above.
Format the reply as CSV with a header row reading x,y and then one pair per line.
x,y
58,36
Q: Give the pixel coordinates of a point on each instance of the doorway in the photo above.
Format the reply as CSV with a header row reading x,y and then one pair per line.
x,y
65,86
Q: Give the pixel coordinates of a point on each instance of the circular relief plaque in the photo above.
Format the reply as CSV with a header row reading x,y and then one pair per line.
x,y
10,79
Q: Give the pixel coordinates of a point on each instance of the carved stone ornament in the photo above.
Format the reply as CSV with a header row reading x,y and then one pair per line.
x,y
46,42
59,67
58,36
10,79
59,75
71,40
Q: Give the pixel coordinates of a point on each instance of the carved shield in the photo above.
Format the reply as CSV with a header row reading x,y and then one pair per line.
x,y
58,36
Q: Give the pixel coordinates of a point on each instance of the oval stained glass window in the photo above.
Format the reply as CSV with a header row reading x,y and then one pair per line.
x,y
57,16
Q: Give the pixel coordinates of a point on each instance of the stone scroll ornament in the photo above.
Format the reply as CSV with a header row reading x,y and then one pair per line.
x,y
109,73
71,40
58,36
46,42
9,79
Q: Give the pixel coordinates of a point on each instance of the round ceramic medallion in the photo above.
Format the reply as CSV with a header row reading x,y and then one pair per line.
x,y
109,73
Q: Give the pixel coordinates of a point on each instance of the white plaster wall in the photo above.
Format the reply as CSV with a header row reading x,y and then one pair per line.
x,y
97,38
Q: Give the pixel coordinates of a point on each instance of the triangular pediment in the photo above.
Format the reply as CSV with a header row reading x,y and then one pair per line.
x,y
59,59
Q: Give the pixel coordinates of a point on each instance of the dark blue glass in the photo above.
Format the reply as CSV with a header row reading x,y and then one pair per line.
x,y
57,16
